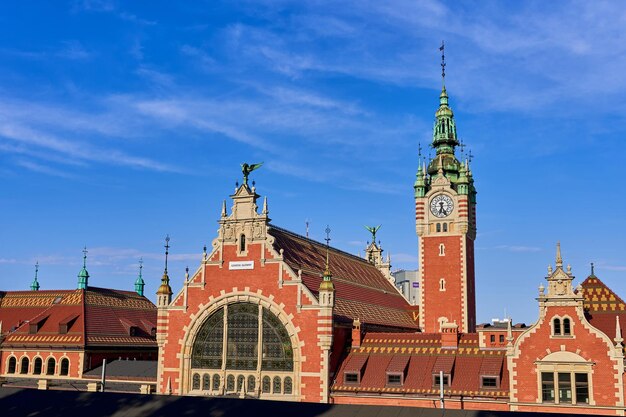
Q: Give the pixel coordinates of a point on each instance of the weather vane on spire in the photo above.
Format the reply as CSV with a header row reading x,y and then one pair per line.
x,y
85,256
443,62
327,235
167,250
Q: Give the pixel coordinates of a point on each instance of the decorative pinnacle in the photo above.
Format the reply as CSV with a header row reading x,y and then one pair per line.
x,y
443,64
618,333
265,210
592,272
85,251
186,274
167,249
224,209
559,260
140,267
36,269
327,274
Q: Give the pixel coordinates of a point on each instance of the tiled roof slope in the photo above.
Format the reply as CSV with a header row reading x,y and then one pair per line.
x,y
420,356
95,316
361,291
602,305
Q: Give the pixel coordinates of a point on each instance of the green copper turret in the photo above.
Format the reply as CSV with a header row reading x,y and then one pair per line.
x,y
83,275
139,283
34,286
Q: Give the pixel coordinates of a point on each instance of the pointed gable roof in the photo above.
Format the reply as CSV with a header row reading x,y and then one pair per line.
x,y
602,305
361,290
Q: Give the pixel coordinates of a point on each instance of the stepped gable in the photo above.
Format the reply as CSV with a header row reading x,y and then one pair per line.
x,y
361,291
419,356
602,305
95,316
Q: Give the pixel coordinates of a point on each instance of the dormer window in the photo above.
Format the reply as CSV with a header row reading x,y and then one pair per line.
x,y
437,380
489,382
351,377
394,379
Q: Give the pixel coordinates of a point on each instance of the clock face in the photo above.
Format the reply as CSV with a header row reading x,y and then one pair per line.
x,y
441,206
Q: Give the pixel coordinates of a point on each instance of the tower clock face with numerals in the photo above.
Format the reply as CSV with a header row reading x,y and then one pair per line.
x,y
441,206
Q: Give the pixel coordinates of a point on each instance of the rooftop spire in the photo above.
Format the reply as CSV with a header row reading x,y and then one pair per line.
x,y
559,259
444,132
165,288
327,283
83,275
35,284
139,283
592,272
443,65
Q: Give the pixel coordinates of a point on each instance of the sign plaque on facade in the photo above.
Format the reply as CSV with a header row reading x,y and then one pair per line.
x,y
238,265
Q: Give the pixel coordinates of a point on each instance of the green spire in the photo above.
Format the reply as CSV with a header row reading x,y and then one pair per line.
x,y
35,284
83,275
444,132
139,283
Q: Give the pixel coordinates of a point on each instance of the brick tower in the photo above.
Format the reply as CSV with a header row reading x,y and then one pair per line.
x,y
445,216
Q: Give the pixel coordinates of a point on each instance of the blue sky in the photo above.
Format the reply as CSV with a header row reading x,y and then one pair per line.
x,y
121,122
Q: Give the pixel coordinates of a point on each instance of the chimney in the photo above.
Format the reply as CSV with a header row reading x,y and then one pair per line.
x,y
356,333
449,335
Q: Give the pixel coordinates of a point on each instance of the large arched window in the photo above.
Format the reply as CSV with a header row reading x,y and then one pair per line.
x,y
248,340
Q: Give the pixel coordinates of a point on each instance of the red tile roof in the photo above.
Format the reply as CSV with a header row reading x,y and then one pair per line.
x,y
602,305
361,290
421,356
96,316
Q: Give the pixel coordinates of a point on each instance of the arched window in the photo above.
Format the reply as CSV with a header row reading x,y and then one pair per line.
x,y
242,243
196,381
216,382
442,284
65,367
442,249
12,365
206,382
51,366
230,383
288,385
24,365
251,383
445,227
567,328
276,385
267,382
37,365
438,227
240,381
557,326
244,331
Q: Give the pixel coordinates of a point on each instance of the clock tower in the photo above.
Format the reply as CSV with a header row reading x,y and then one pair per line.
x,y
445,217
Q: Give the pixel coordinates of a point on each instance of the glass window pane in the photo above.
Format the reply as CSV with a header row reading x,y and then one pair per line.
x,y
51,365
206,382
566,327
37,366
547,387
288,385
240,381
230,383
196,381
207,348
243,336
65,366
565,387
24,366
277,350
582,389
216,382
12,365
266,384
557,326
276,385
251,383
